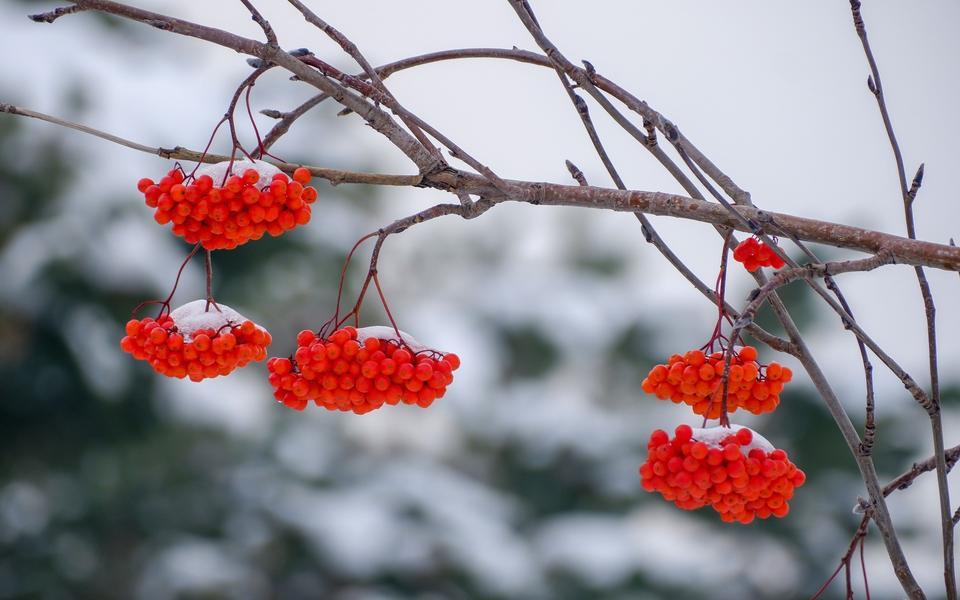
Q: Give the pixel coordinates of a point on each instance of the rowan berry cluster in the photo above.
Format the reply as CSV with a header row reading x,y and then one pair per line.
x,y
695,379
733,470
360,370
221,210
199,344
755,254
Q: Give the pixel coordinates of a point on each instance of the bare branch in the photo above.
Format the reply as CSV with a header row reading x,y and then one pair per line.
x,y
649,232
903,250
373,115
908,196
785,276
905,479
584,80
23,112
350,48
263,23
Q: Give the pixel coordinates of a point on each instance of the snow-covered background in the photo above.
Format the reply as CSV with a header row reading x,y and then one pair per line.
x,y
522,481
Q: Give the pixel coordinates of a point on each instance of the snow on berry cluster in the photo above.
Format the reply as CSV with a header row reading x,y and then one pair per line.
x,y
195,342
221,210
755,254
733,470
695,379
360,370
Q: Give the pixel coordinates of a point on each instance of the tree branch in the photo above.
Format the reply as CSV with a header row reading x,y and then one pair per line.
x,y
907,196
903,250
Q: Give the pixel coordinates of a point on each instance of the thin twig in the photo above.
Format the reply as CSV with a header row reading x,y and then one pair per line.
x,y
474,210
902,482
908,194
649,232
583,79
350,48
869,427
263,23
455,150
785,276
906,479
858,538
334,176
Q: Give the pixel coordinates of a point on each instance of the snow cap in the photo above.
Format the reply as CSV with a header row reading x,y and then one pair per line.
x,y
194,315
218,171
388,333
712,436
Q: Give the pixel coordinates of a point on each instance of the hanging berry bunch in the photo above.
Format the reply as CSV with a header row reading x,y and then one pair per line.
x,y
225,205
695,379
729,468
196,342
199,340
734,470
754,254
360,370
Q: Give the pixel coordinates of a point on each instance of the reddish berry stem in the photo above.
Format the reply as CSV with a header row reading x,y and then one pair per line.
x,y
165,304
335,320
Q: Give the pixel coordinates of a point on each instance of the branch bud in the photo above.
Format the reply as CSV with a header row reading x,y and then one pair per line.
x,y
580,104
916,183
591,71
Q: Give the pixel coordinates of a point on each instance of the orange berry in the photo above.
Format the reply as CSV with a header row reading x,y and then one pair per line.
x,y
658,373
358,376
302,175
707,372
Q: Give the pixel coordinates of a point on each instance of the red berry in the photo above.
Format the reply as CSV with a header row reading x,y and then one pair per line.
x,y
347,372
755,254
302,175
230,215
690,472
201,353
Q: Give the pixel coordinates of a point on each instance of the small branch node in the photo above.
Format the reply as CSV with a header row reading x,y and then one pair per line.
x,y
159,24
